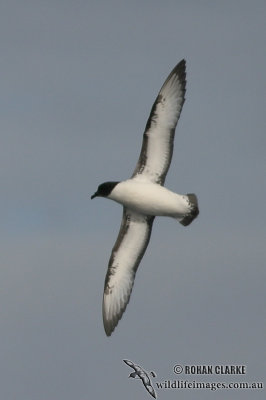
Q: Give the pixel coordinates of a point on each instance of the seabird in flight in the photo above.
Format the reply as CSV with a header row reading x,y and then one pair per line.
x,y
144,197
143,375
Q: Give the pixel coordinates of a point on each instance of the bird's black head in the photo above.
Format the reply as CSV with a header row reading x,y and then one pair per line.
x,y
132,375
104,189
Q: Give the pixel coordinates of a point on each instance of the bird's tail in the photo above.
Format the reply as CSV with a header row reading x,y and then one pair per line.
x,y
194,210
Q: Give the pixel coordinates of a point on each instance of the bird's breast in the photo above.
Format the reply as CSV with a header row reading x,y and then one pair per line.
x,y
149,199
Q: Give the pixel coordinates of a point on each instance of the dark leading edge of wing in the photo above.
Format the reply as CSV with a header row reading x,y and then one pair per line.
x,y
158,138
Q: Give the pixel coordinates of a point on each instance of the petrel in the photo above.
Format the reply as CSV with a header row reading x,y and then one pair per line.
x,y
144,197
143,375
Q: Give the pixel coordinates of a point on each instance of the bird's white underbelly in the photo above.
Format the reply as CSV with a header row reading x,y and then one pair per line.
x,y
150,199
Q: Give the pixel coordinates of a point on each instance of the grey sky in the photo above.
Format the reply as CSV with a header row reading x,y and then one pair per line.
x,y
78,80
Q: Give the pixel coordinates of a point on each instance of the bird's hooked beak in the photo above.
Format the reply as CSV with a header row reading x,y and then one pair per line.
x,y
94,195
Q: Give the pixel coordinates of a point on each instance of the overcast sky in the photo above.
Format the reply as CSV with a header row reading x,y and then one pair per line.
x,y
78,79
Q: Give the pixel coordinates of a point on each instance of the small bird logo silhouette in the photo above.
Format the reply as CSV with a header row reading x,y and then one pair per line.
x,y
140,373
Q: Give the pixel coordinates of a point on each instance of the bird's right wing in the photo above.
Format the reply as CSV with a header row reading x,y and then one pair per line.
x,y
130,246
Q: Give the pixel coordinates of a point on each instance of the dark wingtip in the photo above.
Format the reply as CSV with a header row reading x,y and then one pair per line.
x,y
182,63
110,325
108,330
180,70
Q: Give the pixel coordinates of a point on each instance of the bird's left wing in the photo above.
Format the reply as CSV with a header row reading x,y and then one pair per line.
x,y
130,246
158,138
136,367
130,364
